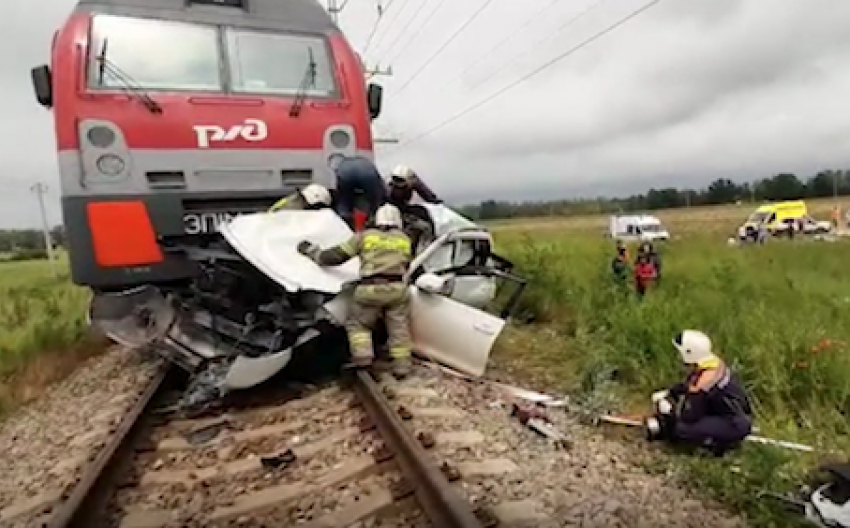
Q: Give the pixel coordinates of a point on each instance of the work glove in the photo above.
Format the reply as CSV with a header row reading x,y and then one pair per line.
x,y
661,400
307,248
660,395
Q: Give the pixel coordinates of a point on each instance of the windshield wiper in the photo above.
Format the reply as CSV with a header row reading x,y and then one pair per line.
x,y
128,84
309,81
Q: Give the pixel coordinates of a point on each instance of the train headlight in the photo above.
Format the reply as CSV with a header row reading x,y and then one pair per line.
x,y
340,139
334,160
110,165
101,136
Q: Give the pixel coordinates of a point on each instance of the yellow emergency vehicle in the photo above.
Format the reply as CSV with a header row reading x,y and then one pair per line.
x,y
781,216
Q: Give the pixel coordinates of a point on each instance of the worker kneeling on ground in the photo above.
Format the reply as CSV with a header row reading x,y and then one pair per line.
x,y
710,409
385,253
313,196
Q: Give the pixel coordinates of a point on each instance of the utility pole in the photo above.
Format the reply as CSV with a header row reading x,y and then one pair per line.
x,y
40,190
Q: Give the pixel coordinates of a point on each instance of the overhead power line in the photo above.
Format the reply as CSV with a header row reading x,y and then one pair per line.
x,y
534,72
381,12
563,27
508,38
416,33
404,28
459,30
396,13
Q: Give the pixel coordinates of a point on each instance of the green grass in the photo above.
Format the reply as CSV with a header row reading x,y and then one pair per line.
x,y
778,314
42,318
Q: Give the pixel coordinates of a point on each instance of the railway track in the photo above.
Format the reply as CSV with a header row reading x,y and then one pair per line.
x,y
364,451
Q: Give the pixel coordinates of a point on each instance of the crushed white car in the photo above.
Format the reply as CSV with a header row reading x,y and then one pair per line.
x,y
257,301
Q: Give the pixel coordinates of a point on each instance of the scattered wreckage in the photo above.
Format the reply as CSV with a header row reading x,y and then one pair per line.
x,y
256,301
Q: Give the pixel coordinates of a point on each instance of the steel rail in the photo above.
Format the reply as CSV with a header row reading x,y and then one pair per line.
x,y
438,499
82,505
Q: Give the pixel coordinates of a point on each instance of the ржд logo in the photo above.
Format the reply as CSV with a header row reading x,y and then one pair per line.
x,y
250,130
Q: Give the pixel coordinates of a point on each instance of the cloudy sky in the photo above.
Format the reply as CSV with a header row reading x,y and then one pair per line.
x,y
685,92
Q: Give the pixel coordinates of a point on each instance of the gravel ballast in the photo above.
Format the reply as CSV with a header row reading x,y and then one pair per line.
x,y
595,482
598,482
44,445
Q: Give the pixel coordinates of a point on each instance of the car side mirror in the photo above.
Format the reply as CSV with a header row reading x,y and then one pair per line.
x,y
375,97
42,81
432,283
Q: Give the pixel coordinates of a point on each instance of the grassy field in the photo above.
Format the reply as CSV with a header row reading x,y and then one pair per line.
x,y
715,219
777,313
42,329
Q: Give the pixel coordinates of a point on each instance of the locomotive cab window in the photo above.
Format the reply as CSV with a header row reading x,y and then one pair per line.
x,y
153,55
268,63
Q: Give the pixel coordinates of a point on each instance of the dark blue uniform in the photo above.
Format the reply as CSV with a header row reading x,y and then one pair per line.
x,y
358,175
713,409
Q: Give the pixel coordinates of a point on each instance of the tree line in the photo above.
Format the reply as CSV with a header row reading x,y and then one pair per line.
x,y
783,186
23,244
28,244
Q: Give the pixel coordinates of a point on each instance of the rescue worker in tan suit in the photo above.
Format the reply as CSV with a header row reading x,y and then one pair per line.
x,y
385,254
313,196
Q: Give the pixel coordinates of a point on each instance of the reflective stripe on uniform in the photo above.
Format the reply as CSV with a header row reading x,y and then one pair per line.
x,y
399,352
360,338
280,204
349,247
386,242
361,343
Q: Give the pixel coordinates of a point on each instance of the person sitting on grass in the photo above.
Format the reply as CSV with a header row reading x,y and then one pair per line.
x,y
710,408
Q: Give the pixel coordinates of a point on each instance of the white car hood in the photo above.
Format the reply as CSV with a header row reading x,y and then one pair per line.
x,y
269,241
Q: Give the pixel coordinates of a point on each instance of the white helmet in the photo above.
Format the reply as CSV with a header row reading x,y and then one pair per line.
x,y
388,215
315,194
402,175
694,346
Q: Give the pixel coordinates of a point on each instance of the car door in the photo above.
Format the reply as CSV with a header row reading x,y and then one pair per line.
x,y
448,331
452,333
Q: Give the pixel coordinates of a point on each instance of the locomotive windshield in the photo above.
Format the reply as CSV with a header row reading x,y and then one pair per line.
x,y
175,56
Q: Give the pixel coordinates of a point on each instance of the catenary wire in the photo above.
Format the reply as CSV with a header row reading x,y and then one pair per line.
x,y
418,32
544,66
448,41
508,38
374,30
422,4
563,27
397,12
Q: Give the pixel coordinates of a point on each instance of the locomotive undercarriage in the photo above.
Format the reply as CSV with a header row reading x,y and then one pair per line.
x,y
230,327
